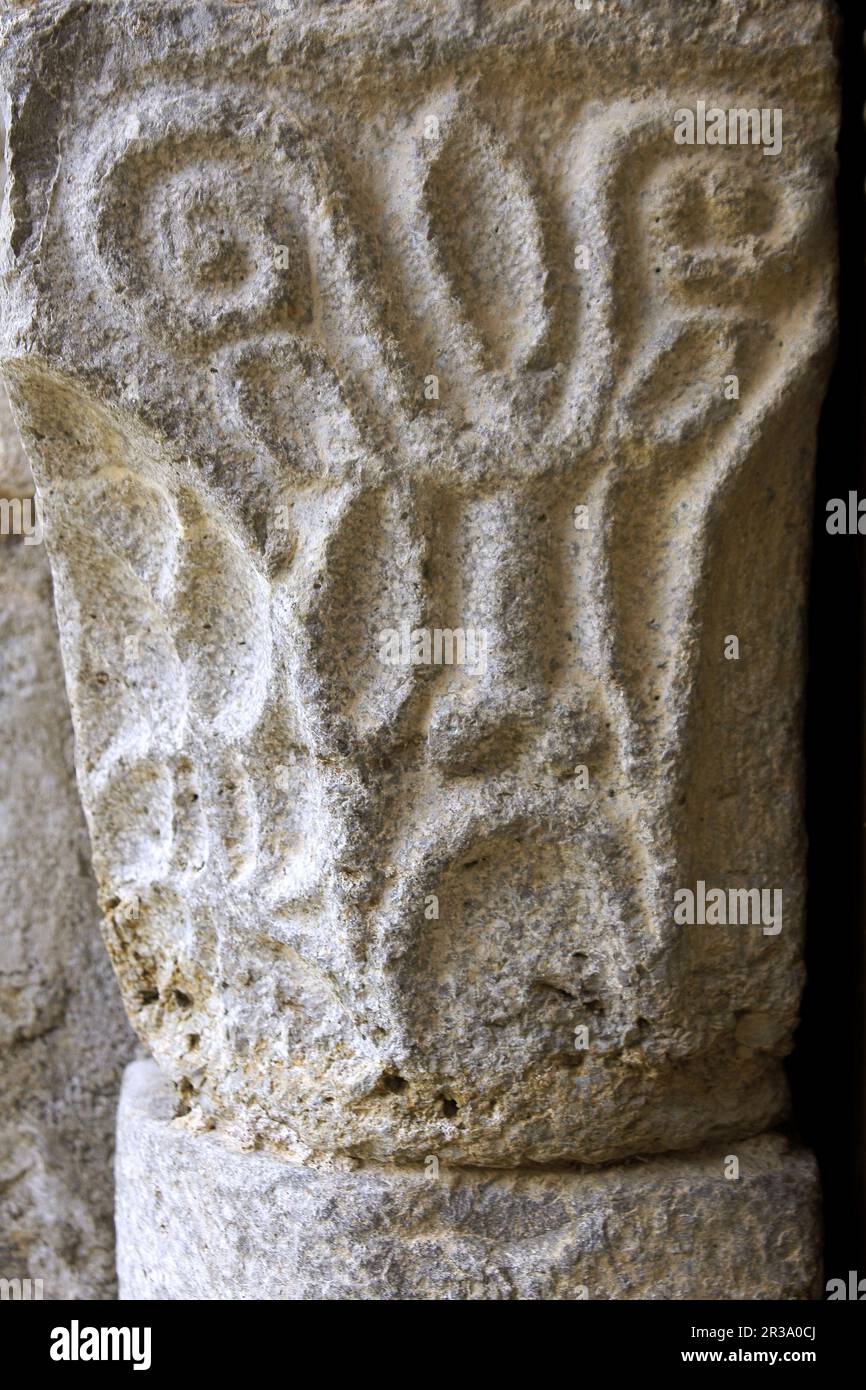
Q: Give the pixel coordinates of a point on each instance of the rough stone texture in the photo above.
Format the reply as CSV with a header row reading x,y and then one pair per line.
x,y
63,1035
202,1221
245,485
321,320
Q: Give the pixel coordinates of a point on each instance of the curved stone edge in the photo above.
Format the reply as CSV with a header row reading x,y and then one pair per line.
x,y
64,1038
198,1220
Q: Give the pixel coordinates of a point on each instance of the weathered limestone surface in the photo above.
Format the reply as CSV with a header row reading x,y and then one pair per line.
x,y
321,321
63,1035
672,1228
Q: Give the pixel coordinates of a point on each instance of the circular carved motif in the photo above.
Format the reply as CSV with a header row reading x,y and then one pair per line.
x,y
200,234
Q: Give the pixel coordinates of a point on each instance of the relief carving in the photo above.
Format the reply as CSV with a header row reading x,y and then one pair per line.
x,y
473,374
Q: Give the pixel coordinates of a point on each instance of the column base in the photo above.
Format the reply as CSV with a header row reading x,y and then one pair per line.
x,y
198,1220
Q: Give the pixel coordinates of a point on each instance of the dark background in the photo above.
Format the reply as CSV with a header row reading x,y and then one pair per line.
x,y
827,1071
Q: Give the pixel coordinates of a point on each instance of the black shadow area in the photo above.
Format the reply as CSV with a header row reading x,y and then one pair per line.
x,y
826,1070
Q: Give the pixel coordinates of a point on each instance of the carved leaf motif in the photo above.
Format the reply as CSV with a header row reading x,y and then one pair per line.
x,y
223,635
288,400
710,245
486,231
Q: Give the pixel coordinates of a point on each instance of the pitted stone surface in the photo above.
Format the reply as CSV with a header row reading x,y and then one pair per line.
x,y
63,1036
321,321
198,1220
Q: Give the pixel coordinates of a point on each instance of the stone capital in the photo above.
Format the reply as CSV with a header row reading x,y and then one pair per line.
x,y
422,401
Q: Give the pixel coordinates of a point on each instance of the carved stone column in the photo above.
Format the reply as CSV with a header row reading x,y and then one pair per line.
x,y
422,399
